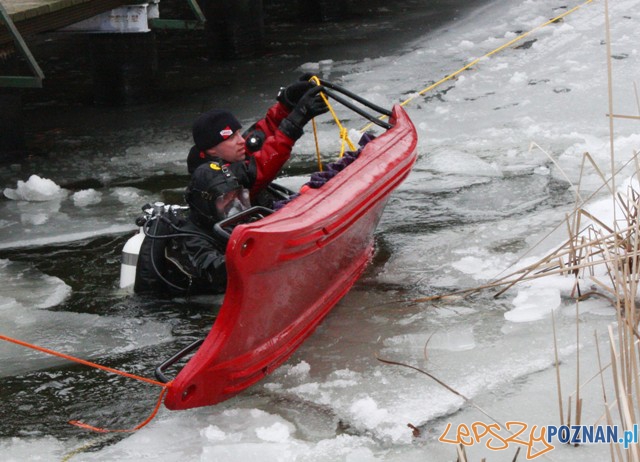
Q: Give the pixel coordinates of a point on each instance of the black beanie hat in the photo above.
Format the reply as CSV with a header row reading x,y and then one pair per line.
x,y
213,127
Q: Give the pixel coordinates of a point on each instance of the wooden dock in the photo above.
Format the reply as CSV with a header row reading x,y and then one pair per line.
x,y
34,16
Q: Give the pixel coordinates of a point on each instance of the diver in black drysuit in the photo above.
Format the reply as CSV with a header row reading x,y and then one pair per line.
x,y
184,255
229,178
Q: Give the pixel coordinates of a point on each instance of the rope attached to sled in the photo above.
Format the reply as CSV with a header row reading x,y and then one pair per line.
x,y
153,414
344,137
165,386
476,61
344,133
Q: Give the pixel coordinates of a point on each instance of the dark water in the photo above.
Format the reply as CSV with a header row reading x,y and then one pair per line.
x,y
188,82
92,269
78,145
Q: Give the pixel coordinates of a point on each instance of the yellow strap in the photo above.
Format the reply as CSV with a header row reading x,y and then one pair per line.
x,y
344,136
315,137
476,61
344,133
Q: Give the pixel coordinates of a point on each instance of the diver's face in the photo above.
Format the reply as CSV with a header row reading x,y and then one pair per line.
x,y
231,150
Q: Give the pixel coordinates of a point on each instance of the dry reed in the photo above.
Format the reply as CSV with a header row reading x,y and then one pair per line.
x,y
604,260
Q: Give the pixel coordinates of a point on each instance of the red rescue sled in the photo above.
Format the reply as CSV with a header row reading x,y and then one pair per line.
x,y
288,270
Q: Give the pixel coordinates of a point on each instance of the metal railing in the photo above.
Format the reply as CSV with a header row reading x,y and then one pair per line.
x,y
20,81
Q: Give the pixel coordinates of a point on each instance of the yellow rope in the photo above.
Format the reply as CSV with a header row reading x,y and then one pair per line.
x,y
476,61
315,137
344,133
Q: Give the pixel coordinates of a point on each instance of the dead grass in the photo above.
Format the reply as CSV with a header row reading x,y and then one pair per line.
x,y
601,255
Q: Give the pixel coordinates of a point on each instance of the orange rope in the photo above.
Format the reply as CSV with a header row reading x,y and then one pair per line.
x,y
82,361
77,423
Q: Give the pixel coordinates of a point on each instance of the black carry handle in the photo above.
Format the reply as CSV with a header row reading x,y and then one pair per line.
x,y
174,359
331,89
280,192
246,216
360,99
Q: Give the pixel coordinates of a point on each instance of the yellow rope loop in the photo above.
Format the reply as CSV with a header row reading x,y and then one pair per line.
x,y
344,133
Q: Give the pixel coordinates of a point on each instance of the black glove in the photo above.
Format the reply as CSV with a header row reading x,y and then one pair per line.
x,y
289,96
310,105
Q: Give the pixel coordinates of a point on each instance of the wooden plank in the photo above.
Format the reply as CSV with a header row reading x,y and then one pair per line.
x,y
34,16
19,10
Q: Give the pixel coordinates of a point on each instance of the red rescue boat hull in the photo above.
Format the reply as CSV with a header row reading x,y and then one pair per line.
x,y
288,270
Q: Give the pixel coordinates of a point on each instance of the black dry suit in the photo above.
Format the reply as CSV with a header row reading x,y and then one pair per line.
x,y
192,259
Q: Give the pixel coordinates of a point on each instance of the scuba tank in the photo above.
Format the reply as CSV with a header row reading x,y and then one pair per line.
x,y
135,273
130,253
